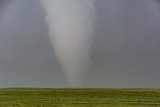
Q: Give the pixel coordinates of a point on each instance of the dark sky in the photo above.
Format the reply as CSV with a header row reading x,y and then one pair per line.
x,y
126,50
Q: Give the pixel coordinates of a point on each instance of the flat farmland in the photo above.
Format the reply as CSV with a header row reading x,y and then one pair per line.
x,y
79,97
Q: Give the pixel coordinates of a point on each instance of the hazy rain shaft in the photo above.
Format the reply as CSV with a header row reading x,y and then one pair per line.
x,y
71,31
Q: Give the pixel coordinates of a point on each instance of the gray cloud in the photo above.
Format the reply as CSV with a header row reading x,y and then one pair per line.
x,y
125,53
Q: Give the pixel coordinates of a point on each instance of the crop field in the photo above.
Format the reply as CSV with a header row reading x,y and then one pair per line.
x,y
79,97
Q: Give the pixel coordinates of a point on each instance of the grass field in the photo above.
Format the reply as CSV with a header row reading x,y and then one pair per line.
x,y
21,97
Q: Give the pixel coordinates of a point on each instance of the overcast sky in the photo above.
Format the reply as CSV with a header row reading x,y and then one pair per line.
x,y
125,53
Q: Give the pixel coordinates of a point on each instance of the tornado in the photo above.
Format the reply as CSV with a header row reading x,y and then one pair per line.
x,y
71,26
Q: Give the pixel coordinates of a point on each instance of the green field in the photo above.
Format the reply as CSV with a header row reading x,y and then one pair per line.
x,y
34,97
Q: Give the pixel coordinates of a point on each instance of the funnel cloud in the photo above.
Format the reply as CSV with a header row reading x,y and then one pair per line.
x,y
71,31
